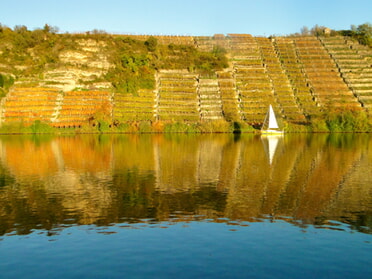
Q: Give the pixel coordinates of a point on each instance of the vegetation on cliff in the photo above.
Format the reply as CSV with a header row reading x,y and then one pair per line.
x,y
136,62
26,53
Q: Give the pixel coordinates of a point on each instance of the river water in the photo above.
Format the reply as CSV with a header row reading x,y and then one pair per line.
x,y
186,206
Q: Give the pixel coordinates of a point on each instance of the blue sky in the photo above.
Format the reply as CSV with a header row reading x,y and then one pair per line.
x,y
186,17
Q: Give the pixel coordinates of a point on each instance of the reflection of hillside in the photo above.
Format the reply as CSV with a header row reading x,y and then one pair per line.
x,y
59,180
133,168
329,166
247,191
77,199
85,198
103,180
229,164
133,152
281,170
177,163
210,159
293,200
85,153
301,183
259,183
81,184
27,157
190,176
42,157
288,201
203,203
353,198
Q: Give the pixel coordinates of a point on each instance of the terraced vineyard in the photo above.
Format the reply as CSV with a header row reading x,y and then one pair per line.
x,y
29,104
301,77
355,64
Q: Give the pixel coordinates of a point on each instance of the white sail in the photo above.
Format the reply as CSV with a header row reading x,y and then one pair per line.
x,y
270,125
273,124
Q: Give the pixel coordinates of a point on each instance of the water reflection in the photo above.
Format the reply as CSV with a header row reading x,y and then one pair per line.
x,y
52,182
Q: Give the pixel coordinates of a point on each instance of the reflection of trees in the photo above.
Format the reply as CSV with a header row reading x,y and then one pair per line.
x,y
110,179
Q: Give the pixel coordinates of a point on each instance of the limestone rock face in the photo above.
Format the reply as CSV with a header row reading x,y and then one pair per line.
x,y
82,67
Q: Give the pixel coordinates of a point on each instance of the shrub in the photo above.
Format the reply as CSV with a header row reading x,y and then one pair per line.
x,y
6,81
103,126
222,126
319,125
246,128
145,127
297,128
123,127
12,128
40,127
334,123
361,122
180,127
151,43
347,121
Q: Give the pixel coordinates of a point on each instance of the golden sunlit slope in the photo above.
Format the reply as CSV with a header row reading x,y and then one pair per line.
x,y
171,78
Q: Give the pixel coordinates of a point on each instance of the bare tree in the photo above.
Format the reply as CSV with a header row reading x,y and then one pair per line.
x,y
305,31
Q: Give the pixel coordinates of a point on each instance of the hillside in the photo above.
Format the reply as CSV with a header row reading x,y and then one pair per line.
x,y
216,83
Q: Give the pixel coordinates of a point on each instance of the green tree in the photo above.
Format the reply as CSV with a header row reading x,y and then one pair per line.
x,y
151,44
364,32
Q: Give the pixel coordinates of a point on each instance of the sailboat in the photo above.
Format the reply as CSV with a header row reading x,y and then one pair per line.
x,y
270,125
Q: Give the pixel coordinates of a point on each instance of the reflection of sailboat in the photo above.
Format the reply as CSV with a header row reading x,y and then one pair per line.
x,y
270,125
272,144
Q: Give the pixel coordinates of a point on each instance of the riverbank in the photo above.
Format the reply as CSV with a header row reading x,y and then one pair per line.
x,y
332,124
